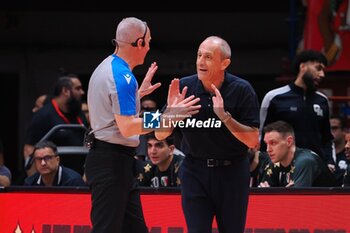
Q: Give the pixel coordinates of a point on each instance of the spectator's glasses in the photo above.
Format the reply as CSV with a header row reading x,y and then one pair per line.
x,y
148,109
46,158
335,127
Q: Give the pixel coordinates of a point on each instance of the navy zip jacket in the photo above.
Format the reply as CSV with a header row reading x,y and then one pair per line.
x,y
307,113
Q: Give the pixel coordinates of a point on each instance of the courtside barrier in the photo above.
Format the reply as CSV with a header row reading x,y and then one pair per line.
x,y
275,210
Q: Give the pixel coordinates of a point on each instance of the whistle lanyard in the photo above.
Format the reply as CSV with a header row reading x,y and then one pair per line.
x,y
62,115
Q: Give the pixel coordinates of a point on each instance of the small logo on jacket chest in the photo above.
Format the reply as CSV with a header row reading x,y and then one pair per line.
x,y
318,110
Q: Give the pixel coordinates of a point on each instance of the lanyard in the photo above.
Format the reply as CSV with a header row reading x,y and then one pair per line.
x,y
62,115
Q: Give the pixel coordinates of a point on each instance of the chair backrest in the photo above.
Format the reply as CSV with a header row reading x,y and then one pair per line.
x,y
73,157
66,135
69,139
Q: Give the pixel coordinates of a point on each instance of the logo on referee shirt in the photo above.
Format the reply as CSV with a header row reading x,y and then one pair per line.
x,y
151,120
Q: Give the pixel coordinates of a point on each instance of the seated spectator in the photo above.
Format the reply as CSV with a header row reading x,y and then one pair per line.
x,y
85,109
40,102
49,172
258,161
164,165
5,173
346,181
63,108
290,165
5,176
338,131
148,104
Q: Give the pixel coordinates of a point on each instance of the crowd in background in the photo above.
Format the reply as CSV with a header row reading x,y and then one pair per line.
x,y
158,161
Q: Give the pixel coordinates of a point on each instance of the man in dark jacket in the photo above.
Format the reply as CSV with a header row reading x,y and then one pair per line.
x,y
302,106
49,172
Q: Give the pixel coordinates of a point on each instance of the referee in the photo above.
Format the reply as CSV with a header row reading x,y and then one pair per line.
x,y
113,101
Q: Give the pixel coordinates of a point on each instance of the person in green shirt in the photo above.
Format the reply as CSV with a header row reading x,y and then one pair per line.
x,y
290,165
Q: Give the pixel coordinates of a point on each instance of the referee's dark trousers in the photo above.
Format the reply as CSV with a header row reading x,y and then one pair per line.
x,y
116,205
215,188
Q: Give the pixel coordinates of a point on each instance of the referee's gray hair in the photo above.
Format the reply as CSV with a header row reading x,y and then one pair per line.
x,y
129,29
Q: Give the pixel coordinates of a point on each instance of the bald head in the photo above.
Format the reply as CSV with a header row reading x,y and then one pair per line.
x,y
222,44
